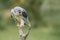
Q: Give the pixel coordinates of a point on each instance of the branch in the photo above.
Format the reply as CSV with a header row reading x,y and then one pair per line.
x,y
22,35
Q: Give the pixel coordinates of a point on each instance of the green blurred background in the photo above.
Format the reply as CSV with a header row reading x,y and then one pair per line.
x,y
44,16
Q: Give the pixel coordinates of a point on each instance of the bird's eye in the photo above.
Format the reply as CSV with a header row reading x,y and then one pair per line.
x,y
19,12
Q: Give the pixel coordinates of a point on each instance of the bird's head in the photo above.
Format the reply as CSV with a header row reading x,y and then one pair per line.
x,y
19,12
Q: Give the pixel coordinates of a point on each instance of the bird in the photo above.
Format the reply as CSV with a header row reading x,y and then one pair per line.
x,y
20,16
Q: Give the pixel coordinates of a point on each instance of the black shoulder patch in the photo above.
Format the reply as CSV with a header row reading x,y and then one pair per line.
x,y
24,14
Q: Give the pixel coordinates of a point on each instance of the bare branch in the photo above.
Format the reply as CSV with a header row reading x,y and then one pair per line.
x,y
22,35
